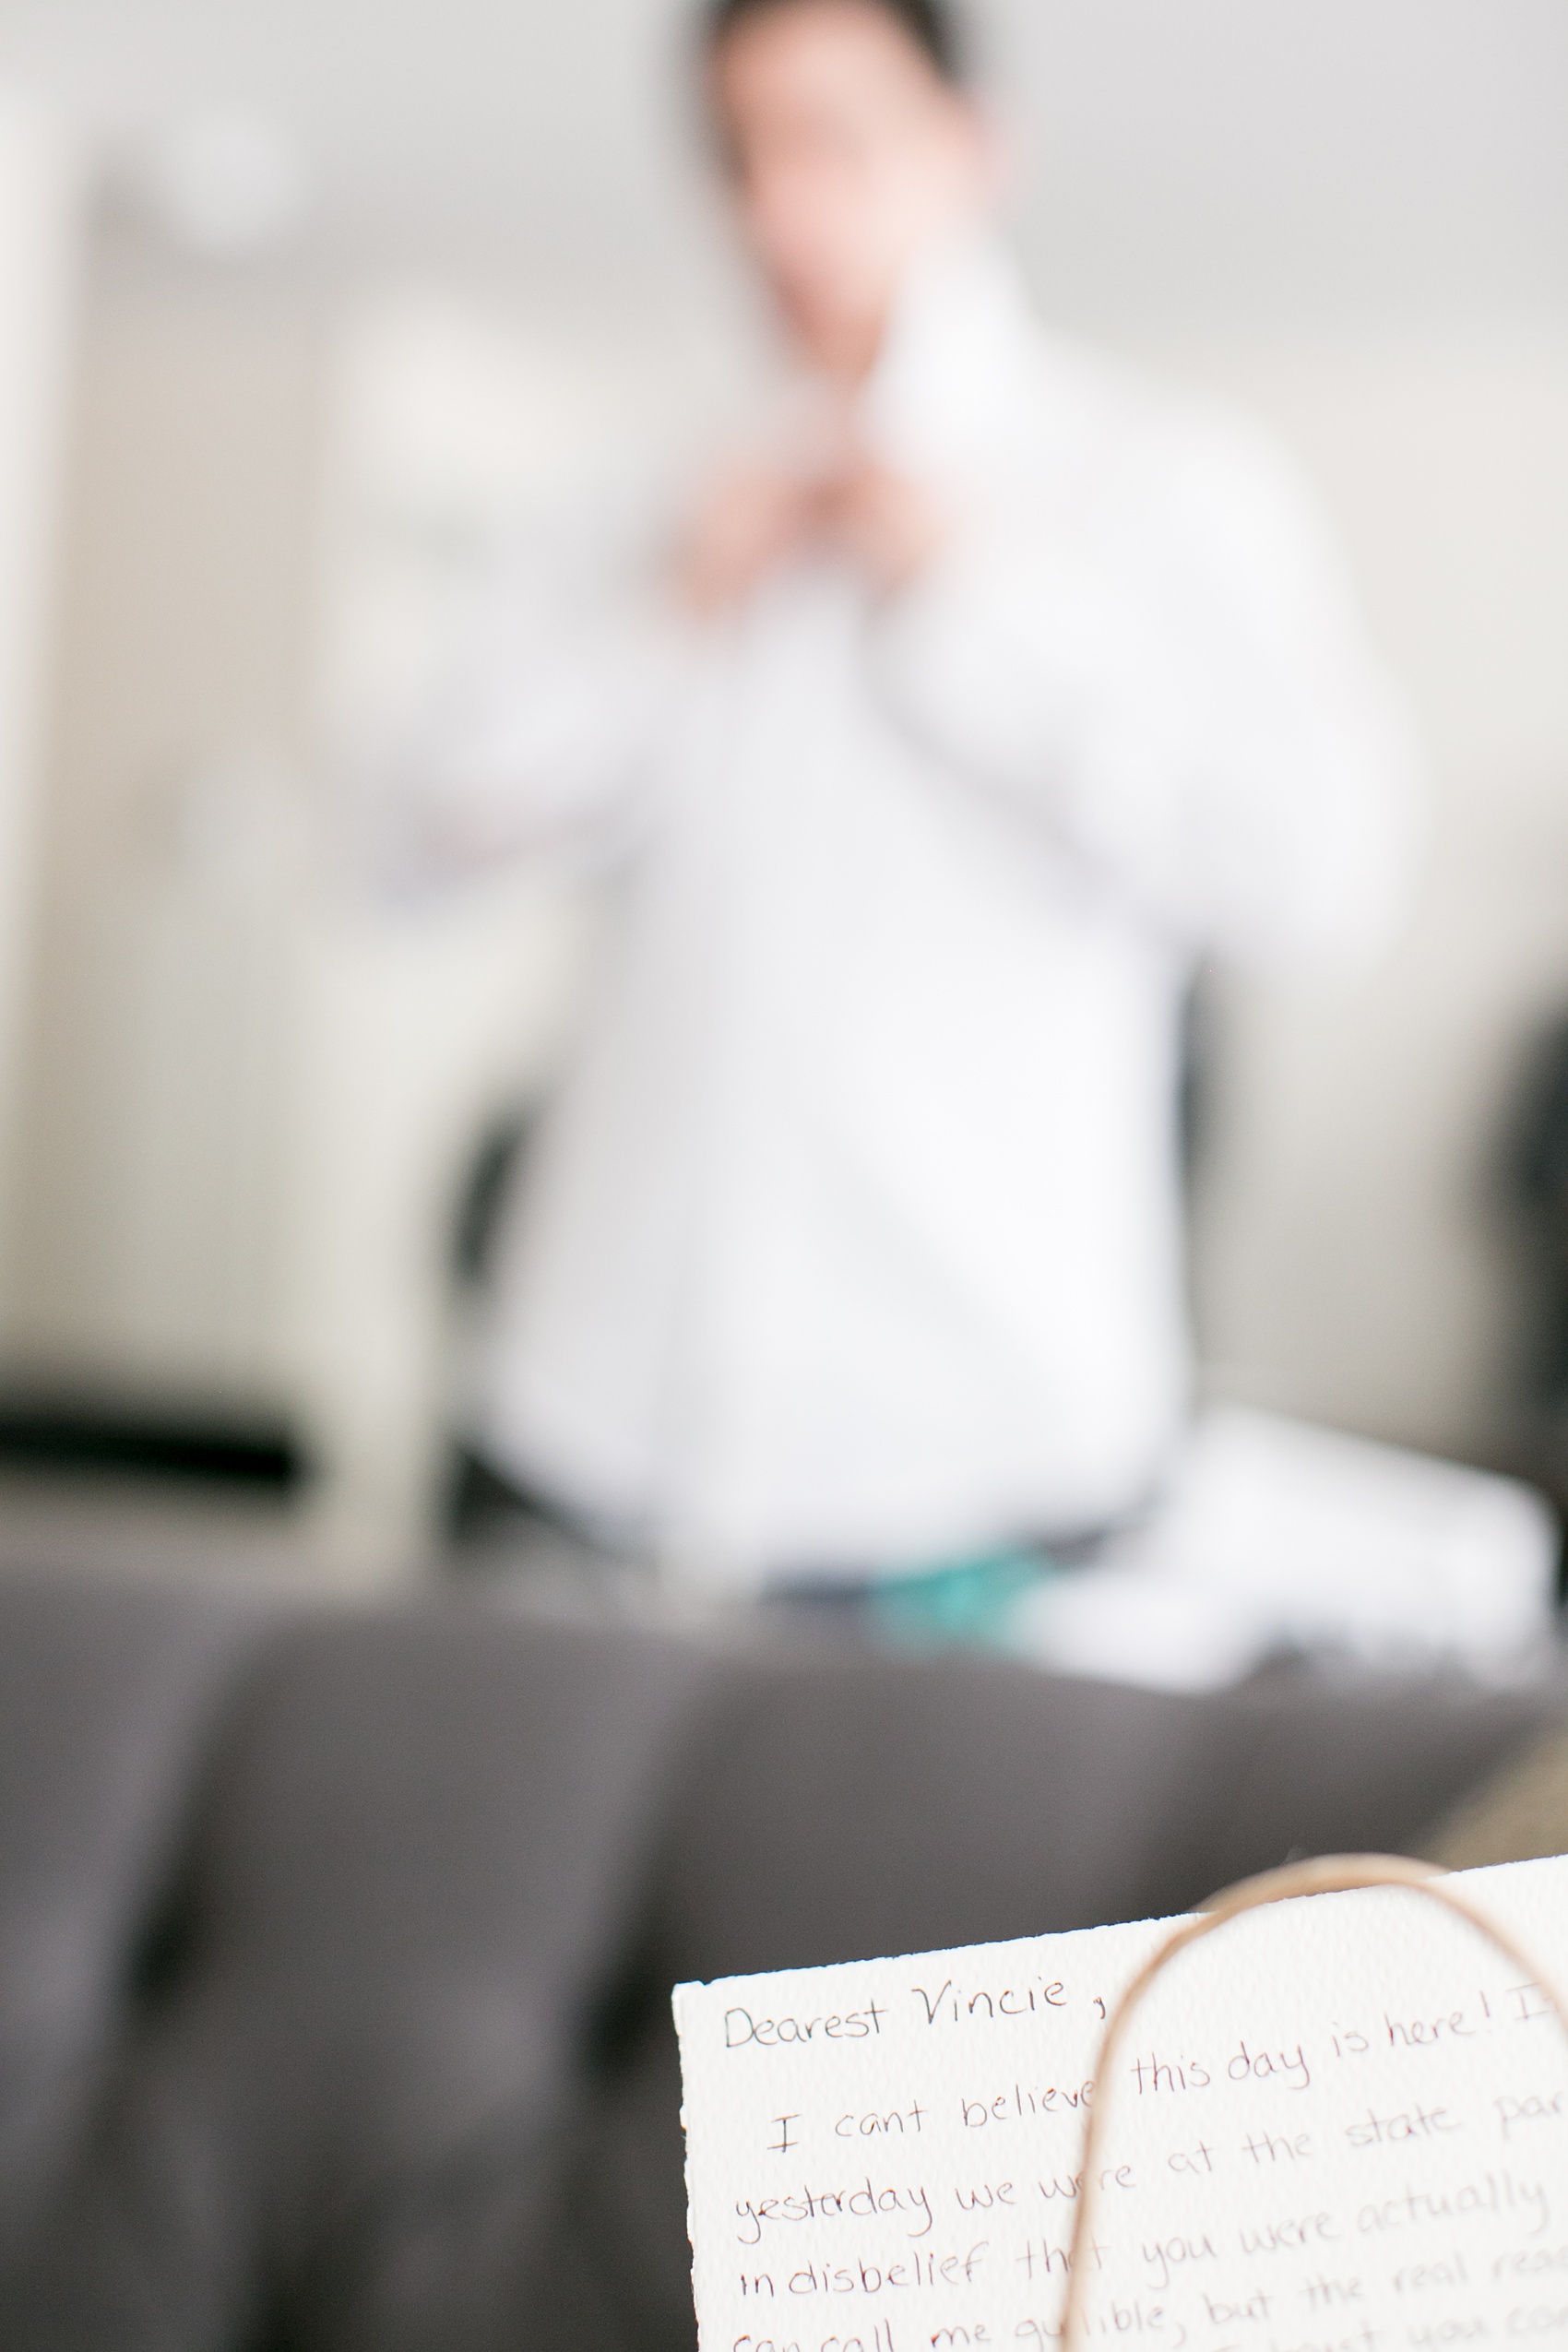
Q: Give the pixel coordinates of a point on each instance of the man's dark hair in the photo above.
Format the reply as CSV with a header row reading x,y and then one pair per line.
x,y
930,24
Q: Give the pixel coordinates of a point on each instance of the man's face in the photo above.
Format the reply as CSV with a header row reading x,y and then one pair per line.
x,y
847,153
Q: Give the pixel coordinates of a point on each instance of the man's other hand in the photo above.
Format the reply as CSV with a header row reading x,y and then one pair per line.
x,y
891,528
750,521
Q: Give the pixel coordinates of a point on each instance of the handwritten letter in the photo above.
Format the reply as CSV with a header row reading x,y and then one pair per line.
x,y
1343,2127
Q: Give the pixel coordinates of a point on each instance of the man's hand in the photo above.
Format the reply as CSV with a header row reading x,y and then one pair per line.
x,y
750,522
890,527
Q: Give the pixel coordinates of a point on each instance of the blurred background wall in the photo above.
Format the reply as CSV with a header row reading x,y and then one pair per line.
x,y
41,237
355,282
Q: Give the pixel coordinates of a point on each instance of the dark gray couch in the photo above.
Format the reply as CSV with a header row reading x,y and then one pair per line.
x,y
336,1948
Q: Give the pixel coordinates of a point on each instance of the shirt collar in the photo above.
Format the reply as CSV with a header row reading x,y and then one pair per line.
x,y
956,356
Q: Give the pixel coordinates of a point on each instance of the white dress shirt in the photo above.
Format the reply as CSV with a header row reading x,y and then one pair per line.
x,y
853,1238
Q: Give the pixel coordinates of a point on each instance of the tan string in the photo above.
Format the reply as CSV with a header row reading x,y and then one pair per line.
x,y
1332,1874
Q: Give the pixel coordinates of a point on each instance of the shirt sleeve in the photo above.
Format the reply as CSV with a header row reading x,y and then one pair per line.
x,y
1185,697
542,738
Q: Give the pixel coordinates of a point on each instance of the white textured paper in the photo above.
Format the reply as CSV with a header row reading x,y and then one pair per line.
x,y
1342,2127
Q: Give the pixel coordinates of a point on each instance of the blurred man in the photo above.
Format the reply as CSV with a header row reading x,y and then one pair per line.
x,y
988,694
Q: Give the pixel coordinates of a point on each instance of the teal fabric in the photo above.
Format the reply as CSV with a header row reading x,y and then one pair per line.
x,y
960,1604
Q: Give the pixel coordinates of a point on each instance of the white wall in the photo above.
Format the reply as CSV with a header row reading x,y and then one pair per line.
x,y
39,228
1354,1263
1238,161
153,1087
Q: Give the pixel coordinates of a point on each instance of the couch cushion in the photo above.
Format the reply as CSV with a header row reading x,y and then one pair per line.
x,y
1518,1814
855,1804
108,1702
412,1867
1366,1767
